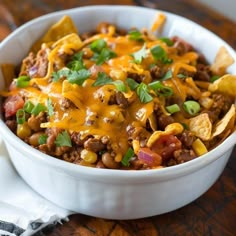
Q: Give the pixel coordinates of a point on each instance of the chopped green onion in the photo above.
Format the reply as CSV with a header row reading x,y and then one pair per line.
x,y
132,83
38,108
173,108
140,55
127,157
214,78
20,116
50,107
28,106
63,139
22,81
182,76
191,107
168,75
160,89
143,93
42,139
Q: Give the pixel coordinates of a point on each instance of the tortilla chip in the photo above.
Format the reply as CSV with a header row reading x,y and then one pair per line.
x,y
62,28
222,61
227,122
226,84
201,126
8,72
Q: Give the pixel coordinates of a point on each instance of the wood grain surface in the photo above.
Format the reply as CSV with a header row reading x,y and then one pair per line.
x,y
214,213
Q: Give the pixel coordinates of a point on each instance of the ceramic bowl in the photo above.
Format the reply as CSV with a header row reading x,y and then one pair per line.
x,y
114,194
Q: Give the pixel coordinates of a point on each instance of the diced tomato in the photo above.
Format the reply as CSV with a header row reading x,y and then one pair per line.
x,y
166,145
149,157
12,104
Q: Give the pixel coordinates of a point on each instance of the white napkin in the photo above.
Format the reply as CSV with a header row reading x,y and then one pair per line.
x,y
23,211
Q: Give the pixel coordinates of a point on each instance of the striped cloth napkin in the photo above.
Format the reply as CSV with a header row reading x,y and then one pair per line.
x,y
22,211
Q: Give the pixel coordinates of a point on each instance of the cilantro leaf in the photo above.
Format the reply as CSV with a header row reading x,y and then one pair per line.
x,y
139,55
42,139
135,35
77,62
160,54
63,139
102,79
105,55
50,107
56,76
120,86
143,93
78,77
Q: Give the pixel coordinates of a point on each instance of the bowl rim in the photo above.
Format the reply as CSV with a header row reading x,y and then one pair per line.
x,y
117,175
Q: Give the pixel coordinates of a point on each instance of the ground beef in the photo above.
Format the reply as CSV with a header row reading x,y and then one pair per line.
x,y
203,73
181,45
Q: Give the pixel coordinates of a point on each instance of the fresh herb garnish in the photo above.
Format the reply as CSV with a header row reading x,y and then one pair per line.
x,y
63,139
20,116
74,77
102,79
167,75
160,54
160,89
60,74
143,93
22,81
105,55
132,83
50,107
120,86
77,62
191,107
168,41
101,51
173,108
98,45
136,35
37,109
28,106
42,139
127,157
78,77
214,78
182,76
140,55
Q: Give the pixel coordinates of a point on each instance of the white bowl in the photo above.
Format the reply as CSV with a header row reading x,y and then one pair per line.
x,y
114,194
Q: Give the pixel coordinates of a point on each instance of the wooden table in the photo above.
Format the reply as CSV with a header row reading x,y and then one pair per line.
x,y
214,213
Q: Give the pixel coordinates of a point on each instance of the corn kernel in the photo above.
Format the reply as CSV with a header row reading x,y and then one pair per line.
x,y
199,147
88,156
